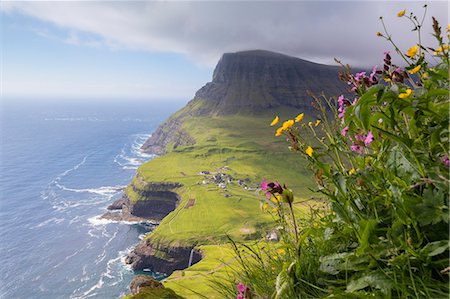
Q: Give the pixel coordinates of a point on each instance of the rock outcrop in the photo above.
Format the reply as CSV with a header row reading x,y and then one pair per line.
x,y
164,260
157,201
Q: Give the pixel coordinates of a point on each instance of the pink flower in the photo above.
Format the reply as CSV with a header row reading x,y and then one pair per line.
x,y
369,138
357,149
240,296
344,131
359,137
446,160
264,185
241,287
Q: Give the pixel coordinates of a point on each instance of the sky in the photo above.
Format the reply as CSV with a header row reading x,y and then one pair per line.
x,y
166,50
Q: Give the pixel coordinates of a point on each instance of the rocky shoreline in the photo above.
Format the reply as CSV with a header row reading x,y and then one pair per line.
x,y
160,200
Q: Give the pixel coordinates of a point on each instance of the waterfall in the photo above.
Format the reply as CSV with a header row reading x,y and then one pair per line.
x,y
190,257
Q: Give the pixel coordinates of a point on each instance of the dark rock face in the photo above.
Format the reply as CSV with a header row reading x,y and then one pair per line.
x,y
144,281
164,260
257,80
118,204
157,206
170,132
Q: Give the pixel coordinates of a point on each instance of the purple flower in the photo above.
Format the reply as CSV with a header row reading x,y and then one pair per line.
x,y
240,296
369,138
360,137
357,149
264,185
241,287
344,131
446,160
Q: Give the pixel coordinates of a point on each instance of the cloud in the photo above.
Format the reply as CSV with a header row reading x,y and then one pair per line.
x,y
314,30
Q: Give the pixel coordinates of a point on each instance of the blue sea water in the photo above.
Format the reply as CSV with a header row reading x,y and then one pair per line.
x,y
61,165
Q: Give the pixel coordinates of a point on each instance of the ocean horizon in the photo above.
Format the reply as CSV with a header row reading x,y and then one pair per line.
x,y
62,164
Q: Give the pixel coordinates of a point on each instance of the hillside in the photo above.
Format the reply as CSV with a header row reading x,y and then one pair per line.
x,y
217,150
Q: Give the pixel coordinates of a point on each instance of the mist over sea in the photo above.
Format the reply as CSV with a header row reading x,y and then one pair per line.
x,y
61,165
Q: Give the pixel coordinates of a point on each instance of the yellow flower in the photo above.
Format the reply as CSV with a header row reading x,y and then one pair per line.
x,y
317,122
415,70
275,210
310,124
425,76
309,151
405,94
387,79
315,225
448,28
299,117
274,121
279,131
281,251
379,33
288,124
275,257
352,171
441,49
401,13
275,199
265,206
412,51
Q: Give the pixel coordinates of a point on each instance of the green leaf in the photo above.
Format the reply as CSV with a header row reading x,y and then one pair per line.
x,y
435,248
375,280
366,229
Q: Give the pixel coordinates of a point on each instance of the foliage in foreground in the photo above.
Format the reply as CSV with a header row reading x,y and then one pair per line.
x,y
382,164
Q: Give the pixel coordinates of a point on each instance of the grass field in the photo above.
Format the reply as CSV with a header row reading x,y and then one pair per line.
x,y
243,147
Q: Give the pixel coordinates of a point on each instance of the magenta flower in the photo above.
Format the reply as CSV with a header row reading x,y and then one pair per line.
x,y
241,287
357,149
264,185
369,138
359,137
446,160
344,131
240,296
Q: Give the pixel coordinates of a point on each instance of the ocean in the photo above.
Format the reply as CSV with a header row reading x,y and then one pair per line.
x,y
61,164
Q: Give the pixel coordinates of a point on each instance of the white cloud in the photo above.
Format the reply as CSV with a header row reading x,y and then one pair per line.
x,y
203,31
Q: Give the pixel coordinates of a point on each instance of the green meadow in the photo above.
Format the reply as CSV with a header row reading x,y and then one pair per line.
x,y
243,147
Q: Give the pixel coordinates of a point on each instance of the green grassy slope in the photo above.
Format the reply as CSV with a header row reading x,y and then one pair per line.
x,y
241,146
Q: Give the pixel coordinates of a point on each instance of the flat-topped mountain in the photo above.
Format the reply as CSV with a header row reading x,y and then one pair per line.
x,y
256,80
250,82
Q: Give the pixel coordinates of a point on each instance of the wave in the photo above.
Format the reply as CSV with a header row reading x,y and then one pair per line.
x,y
53,220
98,221
131,156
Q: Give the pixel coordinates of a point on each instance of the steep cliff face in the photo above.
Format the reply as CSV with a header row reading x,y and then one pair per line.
x,y
249,82
253,81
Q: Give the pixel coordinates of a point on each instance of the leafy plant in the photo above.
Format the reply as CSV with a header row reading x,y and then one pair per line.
x,y
381,160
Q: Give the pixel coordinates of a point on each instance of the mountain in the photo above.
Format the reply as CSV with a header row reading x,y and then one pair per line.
x,y
214,153
250,82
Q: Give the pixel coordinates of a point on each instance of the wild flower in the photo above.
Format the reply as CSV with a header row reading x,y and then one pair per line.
x,y
317,123
279,132
288,124
309,151
369,138
401,13
405,94
446,160
415,70
299,117
274,121
412,51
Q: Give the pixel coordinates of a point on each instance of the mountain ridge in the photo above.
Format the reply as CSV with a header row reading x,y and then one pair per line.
x,y
249,82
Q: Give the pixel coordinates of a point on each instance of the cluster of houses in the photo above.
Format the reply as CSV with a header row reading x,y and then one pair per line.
x,y
222,180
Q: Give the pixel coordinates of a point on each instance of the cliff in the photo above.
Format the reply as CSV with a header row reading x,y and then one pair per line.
x,y
249,82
